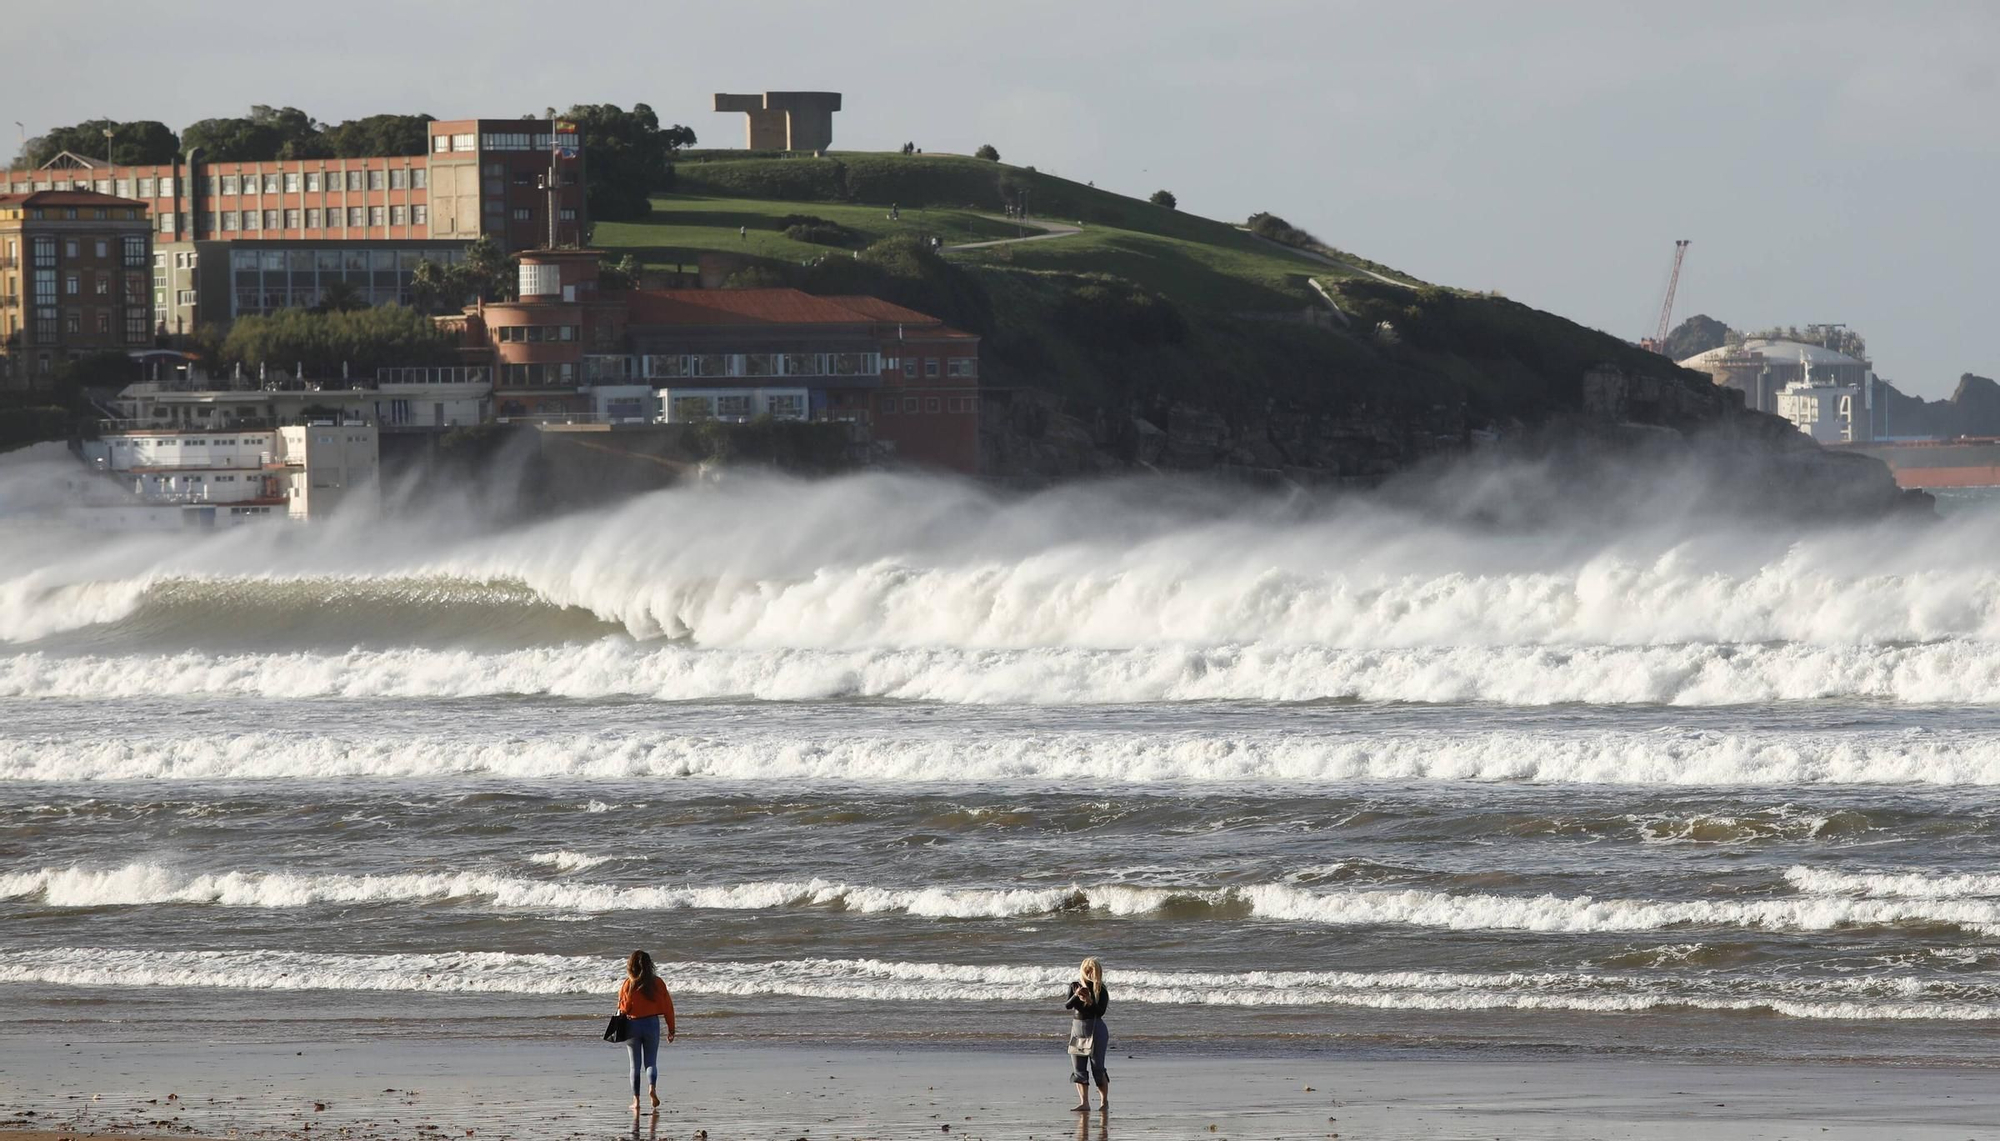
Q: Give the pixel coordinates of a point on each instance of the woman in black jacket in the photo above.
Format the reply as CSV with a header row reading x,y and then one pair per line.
x,y
1088,1038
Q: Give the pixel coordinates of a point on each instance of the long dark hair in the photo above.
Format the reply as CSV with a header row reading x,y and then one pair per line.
x,y
639,968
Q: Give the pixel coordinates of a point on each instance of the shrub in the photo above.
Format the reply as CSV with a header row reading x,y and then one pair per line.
x,y
819,231
987,152
1164,198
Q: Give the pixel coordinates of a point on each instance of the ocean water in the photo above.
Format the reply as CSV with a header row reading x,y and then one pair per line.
x,y
880,759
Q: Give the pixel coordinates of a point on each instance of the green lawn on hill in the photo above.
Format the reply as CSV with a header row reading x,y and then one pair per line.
x,y
1195,261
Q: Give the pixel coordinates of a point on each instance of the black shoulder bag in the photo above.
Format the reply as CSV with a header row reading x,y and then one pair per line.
x,y
618,1029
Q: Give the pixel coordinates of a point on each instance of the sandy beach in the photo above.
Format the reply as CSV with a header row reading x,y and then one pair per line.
x,y
462,1086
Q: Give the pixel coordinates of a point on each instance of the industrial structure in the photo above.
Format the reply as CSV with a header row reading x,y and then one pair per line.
x,y
1658,341
1829,395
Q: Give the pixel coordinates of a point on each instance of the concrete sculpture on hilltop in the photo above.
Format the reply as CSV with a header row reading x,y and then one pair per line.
x,y
785,120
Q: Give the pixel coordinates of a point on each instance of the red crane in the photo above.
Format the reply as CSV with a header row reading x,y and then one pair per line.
x,y
1658,341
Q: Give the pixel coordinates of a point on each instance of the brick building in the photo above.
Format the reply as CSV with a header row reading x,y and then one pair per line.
x,y
235,238
73,280
568,349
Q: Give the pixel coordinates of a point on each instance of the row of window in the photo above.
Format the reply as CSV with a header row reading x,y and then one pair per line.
x,y
515,141
537,375
952,366
102,186
759,364
536,334
136,327
908,405
79,214
311,181
334,218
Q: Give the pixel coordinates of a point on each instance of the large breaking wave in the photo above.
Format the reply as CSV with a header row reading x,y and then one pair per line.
x,y
898,587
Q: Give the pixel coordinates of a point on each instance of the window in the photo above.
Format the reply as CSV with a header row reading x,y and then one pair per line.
x,y
375,215
462,143
228,220
909,404
135,251
567,215
184,297
399,180
124,188
270,184
166,221
354,180
910,367
961,366
270,219
69,248
135,327
418,178
398,215
166,188
103,321
419,215
291,219
252,220
312,217
147,188
888,406
103,249
354,216
312,182
103,285
72,284
229,184
72,321
377,179
440,143
930,366
45,252
291,182
523,214
930,404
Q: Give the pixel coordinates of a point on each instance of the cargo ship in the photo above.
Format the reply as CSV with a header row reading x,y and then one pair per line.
x,y
1968,461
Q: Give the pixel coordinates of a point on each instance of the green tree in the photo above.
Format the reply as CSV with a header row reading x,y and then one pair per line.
x,y
140,142
627,155
362,340
620,274
266,133
486,272
436,288
379,135
1164,198
988,152
340,297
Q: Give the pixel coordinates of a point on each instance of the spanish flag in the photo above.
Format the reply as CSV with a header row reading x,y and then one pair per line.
x,y
563,128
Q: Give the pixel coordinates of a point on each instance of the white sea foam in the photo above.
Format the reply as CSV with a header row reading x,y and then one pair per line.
x,y
1894,885
1618,757
1899,997
568,861
148,884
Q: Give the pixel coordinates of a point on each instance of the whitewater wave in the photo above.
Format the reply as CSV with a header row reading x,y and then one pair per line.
x,y
148,884
1894,885
1690,675
1897,997
891,563
1664,758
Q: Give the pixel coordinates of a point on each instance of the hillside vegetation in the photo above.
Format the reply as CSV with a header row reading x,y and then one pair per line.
x,y
1152,335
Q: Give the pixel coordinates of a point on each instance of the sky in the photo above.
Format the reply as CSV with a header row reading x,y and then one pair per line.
x,y
1830,162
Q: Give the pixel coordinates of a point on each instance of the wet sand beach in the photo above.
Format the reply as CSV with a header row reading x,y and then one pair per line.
x,y
461,1086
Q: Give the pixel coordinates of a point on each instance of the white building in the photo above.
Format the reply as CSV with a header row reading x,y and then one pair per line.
x,y
208,477
397,399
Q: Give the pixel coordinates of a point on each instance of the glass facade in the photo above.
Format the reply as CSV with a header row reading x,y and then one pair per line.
x,y
263,280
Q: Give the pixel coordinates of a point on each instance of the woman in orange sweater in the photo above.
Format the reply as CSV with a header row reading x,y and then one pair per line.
x,y
644,999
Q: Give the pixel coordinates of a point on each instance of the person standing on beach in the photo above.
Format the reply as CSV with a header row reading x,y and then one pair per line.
x,y
644,999
1087,1033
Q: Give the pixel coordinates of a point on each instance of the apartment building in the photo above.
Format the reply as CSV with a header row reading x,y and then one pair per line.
x,y
237,238
73,280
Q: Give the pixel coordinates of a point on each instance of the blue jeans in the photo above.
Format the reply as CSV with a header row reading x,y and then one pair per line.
x,y
644,1046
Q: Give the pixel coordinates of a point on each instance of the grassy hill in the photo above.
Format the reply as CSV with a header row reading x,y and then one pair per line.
x,y
1148,324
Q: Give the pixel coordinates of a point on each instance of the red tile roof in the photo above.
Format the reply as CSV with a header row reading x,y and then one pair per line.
x,y
768,307
67,198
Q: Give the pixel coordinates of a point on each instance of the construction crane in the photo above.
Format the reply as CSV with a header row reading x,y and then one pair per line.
x,y
1658,341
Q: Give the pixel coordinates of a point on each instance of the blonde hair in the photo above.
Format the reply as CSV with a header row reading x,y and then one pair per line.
x,y
1092,972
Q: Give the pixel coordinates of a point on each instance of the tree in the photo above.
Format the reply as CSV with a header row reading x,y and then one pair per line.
x,y
340,297
1164,198
436,288
987,152
486,272
140,142
363,340
379,135
267,133
620,274
627,155
1697,334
